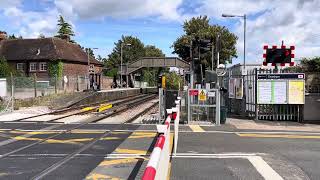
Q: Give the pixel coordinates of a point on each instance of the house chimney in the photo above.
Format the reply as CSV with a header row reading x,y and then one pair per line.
x,y
3,35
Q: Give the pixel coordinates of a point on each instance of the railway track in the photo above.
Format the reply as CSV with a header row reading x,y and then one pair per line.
x,y
101,115
78,109
111,112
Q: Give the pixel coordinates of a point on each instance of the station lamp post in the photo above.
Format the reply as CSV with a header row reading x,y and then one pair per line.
x,y
244,34
121,56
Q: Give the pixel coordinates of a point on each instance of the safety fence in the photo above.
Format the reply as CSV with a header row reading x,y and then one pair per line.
x,y
23,87
243,95
157,167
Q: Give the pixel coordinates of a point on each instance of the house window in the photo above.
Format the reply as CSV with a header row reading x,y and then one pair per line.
x,y
33,67
43,66
20,66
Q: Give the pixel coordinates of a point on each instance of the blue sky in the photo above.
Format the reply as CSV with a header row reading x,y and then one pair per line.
x,y
100,23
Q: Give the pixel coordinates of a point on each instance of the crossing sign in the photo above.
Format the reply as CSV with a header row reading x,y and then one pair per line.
x,y
202,95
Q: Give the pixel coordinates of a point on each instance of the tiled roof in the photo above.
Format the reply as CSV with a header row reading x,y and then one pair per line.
x,y
45,48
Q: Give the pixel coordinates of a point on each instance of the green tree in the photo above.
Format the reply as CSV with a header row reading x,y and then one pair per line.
x,y
12,36
307,65
153,51
41,36
129,53
65,29
90,51
149,76
173,80
199,28
5,69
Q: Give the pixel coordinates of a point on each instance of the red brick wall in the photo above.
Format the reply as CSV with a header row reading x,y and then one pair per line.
x,y
70,69
41,75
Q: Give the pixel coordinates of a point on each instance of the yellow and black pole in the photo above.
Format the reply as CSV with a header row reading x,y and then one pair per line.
x,y
163,82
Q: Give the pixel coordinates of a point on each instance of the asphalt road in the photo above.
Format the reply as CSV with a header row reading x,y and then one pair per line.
x,y
204,152
28,159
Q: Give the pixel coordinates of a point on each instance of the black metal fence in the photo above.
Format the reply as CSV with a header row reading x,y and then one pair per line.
x,y
248,107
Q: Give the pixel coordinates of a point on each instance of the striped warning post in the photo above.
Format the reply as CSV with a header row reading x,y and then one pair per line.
x,y
153,164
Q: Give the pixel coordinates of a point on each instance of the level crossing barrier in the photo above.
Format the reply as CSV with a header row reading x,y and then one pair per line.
x,y
157,167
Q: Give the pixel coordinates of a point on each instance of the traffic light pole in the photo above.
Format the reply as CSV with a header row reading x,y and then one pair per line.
x,y
192,66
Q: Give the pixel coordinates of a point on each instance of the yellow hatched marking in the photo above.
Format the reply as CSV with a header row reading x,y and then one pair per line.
x,y
96,176
119,132
136,135
104,107
131,151
33,132
196,128
118,161
87,131
110,138
278,136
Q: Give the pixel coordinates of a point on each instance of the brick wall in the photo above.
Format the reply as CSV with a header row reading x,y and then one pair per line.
x,y
70,69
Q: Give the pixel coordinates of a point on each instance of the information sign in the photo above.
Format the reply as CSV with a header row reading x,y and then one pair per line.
x,y
232,85
193,92
296,92
264,92
202,95
279,92
239,88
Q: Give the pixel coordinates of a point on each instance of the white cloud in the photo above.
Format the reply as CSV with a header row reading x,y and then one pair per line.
x,y
296,22
31,24
164,9
9,3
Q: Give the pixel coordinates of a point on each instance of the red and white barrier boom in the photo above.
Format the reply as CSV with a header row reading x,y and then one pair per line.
x,y
157,167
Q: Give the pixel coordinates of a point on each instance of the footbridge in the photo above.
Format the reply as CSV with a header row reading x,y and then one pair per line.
x,y
154,62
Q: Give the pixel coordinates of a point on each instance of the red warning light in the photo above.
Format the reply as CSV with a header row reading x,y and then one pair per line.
x,y
287,53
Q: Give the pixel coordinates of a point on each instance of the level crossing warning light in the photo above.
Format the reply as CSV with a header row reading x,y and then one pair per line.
x,y
278,56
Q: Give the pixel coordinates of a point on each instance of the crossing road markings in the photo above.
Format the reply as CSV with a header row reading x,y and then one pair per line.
x,y
131,151
258,163
95,176
136,135
118,161
290,136
196,128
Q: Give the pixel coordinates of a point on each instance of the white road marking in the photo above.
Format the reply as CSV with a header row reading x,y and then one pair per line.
x,y
264,169
258,132
8,141
257,161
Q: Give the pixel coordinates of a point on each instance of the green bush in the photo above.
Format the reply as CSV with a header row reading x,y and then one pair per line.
x,y
149,76
55,69
5,69
112,72
173,81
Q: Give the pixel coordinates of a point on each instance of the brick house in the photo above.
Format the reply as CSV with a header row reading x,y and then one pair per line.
x,y
32,56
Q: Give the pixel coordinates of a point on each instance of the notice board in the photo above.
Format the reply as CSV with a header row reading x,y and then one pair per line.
x,y
296,92
272,92
232,88
239,88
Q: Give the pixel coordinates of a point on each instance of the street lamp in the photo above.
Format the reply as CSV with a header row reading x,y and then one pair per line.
x,y
121,47
244,34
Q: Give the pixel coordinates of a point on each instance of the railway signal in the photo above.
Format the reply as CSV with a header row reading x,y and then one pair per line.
x,y
278,56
